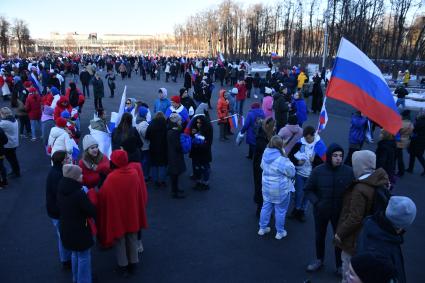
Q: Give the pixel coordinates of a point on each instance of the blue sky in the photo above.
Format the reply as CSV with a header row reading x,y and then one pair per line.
x,y
117,16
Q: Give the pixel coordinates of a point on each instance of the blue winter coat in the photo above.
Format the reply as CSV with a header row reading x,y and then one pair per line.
x,y
248,127
358,129
301,110
161,105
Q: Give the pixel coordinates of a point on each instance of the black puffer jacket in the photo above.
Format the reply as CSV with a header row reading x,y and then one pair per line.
x,y
326,185
280,108
75,208
53,178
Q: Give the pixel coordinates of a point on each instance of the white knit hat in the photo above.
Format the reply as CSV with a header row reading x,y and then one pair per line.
x,y
88,141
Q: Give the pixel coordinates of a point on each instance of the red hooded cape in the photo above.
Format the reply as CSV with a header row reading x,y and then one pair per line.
x,y
120,205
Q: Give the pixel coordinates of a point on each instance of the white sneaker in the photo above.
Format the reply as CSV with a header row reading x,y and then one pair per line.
x,y
266,230
280,236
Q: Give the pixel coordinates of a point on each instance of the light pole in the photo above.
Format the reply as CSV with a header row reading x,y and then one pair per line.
x,y
326,36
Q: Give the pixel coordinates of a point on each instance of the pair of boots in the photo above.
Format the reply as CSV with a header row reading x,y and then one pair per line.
x,y
179,194
223,131
201,187
298,214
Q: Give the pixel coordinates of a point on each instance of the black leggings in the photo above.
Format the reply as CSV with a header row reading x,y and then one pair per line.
x,y
419,156
10,154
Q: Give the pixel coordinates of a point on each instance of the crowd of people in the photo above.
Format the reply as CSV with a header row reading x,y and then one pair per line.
x,y
97,187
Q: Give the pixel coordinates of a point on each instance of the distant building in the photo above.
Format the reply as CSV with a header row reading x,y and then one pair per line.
x,y
120,43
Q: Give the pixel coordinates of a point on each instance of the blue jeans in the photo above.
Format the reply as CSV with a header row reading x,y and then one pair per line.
x,y
35,124
239,106
81,266
145,163
300,201
158,173
64,254
280,211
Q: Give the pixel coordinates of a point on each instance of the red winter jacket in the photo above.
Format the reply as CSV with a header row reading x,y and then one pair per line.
x,y
92,177
241,92
33,106
62,105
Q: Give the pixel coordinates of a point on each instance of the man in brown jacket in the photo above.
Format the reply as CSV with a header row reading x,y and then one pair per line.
x,y
357,203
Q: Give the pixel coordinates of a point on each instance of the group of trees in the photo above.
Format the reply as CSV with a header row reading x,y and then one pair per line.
x,y
384,29
17,32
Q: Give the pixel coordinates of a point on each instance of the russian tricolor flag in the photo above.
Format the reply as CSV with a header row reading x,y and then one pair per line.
x,y
220,59
233,121
323,117
357,81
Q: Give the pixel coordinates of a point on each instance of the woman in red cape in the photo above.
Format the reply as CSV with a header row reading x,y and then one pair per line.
x,y
121,210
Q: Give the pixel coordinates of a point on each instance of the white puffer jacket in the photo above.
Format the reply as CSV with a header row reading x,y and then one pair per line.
x,y
59,140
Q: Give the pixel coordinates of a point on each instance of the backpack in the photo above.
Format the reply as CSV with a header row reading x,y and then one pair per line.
x,y
186,143
380,200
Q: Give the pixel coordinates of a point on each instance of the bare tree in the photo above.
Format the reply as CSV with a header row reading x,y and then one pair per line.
x,y
21,32
4,34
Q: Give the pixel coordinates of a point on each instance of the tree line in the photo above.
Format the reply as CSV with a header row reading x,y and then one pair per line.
x,y
383,29
18,32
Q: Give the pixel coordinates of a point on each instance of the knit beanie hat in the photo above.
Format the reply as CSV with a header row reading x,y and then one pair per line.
x,y
54,90
61,122
175,118
72,171
364,162
175,99
27,84
143,111
119,158
371,268
401,211
88,141
65,114
234,90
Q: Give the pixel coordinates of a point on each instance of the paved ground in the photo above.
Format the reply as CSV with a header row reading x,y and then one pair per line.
x,y
209,236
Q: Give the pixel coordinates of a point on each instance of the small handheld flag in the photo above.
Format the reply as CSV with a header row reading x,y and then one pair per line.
x,y
323,117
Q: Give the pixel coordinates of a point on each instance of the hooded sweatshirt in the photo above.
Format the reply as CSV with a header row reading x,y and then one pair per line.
x,y
162,103
306,152
278,171
268,106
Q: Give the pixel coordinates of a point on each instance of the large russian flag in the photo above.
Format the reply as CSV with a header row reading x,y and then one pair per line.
x,y
357,81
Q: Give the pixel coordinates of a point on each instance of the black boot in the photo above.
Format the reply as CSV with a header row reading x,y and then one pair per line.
x,y
294,214
301,216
